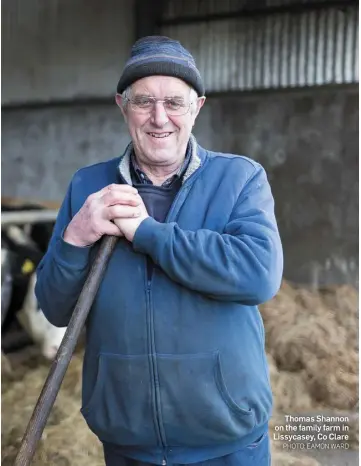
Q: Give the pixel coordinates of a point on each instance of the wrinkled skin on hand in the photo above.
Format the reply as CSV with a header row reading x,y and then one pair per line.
x,y
98,214
128,226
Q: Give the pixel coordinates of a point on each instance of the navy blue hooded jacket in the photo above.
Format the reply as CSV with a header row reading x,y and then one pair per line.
x,y
175,366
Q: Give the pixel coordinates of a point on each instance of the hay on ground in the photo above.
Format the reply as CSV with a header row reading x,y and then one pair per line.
x,y
286,459
67,439
290,390
306,334
312,350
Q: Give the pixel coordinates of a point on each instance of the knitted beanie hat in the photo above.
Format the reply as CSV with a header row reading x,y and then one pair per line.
x,y
160,55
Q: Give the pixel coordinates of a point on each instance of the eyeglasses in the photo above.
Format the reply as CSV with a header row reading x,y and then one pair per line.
x,y
145,105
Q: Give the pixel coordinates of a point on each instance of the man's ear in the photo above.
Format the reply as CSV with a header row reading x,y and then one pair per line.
x,y
200,103
121,105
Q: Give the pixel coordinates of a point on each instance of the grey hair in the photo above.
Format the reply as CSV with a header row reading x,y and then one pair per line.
x,y
193,96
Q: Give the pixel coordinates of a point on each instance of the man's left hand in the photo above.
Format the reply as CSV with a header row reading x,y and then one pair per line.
x,y
128,226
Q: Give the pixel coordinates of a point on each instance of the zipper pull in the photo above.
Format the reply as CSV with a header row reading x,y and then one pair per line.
x,y
164,462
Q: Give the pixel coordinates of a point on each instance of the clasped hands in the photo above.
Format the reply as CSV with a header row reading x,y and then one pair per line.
x,y
115,210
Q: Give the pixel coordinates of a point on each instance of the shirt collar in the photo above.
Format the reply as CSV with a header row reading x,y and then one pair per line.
x,y
139,177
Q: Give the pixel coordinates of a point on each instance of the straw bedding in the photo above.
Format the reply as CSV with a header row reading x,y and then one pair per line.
x,y
312,350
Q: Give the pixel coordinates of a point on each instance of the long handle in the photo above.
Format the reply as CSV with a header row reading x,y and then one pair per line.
x,y
61,362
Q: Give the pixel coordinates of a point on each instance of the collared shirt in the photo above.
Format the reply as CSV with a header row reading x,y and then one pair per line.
x,y
139,177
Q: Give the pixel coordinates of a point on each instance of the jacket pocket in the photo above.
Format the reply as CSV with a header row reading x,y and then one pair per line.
x,y
119,409
196,406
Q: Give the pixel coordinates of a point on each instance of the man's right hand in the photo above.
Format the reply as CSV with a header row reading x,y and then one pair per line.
x,y
95,217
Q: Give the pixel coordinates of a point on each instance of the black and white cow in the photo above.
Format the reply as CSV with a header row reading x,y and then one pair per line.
x,y
22,248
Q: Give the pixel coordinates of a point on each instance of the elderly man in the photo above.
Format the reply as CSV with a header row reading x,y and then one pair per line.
x,y
175,369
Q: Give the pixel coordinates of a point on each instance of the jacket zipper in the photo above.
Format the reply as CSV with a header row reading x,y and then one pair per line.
x,y
152,357
182,190
151,335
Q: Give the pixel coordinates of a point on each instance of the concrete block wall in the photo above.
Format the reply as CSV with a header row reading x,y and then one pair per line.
x,y
63,49
307,141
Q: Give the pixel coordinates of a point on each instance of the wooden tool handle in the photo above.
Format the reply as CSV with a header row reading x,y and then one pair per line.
x,y
61,362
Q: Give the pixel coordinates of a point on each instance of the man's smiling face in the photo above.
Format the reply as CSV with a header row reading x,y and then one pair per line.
x,y
158,137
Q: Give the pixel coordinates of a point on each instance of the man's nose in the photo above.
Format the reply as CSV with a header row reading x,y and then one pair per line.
x,y
159,115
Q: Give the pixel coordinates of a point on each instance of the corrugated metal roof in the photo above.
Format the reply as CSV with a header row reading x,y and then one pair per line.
x,y
282,50
178,9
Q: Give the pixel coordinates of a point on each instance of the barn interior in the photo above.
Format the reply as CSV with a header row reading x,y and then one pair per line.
x,y
281,80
